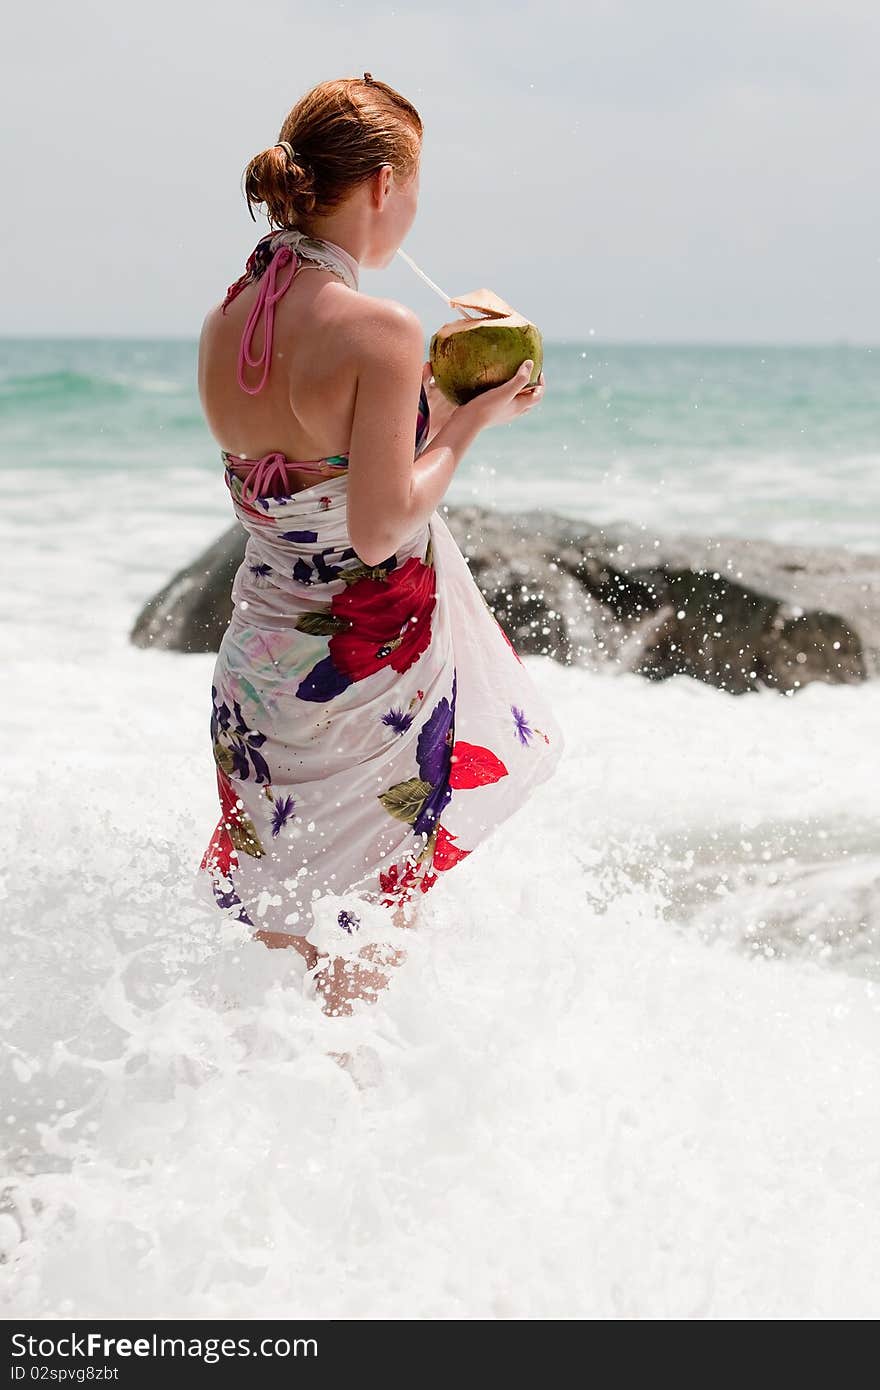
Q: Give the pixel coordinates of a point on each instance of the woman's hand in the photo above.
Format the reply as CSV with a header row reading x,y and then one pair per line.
x,y
513,398
495,407
439,407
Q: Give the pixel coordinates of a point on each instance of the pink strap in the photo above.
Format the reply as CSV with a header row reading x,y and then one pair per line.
x,y
263,472
267,298
262,475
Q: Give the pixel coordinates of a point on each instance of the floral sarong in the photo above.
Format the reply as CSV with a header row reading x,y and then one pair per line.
x,y
371,725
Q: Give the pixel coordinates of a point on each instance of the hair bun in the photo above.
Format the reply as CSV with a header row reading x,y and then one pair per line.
x,y
338,134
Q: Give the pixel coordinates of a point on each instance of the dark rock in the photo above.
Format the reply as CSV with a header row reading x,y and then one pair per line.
x,y
738,614
192,611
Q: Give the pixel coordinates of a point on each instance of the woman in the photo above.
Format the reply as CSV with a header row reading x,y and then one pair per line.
x,y
372,722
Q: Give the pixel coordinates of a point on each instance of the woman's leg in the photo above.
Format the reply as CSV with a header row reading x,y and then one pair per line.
x,y
341,980
276,939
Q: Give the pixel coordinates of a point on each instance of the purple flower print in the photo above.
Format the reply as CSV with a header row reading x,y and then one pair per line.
x,y
523,732
408,800
227,898
349,921
301,537
323,682
319,571
260,571
220,716
431,749
434,757
283,810
398,720
236,748
245,744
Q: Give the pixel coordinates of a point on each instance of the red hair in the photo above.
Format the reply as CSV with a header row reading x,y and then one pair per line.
x,y
341,132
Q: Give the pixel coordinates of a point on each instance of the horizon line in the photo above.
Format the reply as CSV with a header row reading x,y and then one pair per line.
x,y
552,342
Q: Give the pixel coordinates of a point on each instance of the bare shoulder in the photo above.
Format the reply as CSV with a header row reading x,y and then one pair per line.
x,y
209,326
204,335
386,330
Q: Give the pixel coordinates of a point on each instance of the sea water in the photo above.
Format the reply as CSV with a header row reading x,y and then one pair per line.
x,y
628,1069
778,442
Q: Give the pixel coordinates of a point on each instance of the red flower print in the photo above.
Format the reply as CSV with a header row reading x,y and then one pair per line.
x,y
473,766
221,851
401,886
445,852
390,620
234,831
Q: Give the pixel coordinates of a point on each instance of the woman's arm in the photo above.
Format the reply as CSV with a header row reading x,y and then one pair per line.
x,y
435,466
387,499
439,407
390,496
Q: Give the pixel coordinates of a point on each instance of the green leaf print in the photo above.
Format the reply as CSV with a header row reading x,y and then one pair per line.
x,y
223,758
404,800
322,624
243,834
351,576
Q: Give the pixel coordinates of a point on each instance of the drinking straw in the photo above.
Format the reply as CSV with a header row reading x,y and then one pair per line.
x,y
436,288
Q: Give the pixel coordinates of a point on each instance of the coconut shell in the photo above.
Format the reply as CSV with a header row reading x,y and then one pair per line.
x,y
485,301
474,353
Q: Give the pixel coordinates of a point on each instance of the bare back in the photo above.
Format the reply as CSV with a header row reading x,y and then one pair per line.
x,y
306,407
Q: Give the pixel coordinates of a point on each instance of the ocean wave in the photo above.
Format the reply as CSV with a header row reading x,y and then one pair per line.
x,y
62,387
82,388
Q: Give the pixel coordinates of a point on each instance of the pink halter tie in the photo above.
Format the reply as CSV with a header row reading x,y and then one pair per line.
x,y
267,298
262,475
272,467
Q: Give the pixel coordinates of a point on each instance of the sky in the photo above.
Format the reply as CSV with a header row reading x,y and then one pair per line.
x,y
632,171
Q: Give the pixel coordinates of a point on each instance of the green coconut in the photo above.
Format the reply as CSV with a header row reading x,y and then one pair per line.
x,y
471,355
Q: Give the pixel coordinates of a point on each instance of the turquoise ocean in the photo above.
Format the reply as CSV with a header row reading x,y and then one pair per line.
x,y
780,442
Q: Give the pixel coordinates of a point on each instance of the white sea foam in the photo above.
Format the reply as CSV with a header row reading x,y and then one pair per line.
x,y
601,1088
782,497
